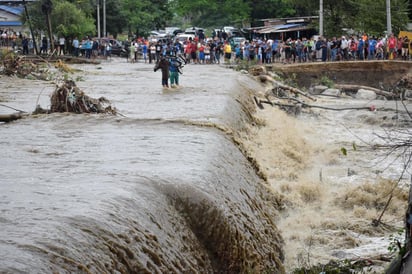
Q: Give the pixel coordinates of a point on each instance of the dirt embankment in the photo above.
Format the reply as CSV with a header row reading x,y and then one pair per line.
x,y
375,74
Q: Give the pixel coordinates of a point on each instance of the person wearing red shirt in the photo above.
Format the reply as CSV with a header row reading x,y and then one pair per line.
x,y
193,50
202,54
392,46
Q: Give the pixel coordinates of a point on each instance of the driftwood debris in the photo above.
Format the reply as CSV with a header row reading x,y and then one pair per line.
x,y
67,97
355,88
258,70
395,92
285,95
291,100
5,118
278,84
17,65
294,105
291,104
24,66
37,67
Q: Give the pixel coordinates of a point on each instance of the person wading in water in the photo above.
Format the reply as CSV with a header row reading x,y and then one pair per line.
x,y
163,65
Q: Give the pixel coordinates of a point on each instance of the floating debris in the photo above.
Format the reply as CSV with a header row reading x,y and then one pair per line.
x,y
17,65
67,97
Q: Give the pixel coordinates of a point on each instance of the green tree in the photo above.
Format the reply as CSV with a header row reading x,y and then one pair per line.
x,y
116,21
305,7
69,21
399,10
213,13
145,15
338,15
87,6
66,19
264,9
357,15
234,12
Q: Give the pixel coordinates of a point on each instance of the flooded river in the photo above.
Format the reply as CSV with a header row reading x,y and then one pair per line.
x,y
173,184
161,188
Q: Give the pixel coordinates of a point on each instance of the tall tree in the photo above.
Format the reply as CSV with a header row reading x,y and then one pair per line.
x,y
87,6
399,10
264,9
139,17
338,15
116,20
356,15
212,13
69,21
66,19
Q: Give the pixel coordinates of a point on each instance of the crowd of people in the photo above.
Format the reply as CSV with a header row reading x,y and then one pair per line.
x,y
15,40
215,50
86,47
219,47
171,54
264,51
361,47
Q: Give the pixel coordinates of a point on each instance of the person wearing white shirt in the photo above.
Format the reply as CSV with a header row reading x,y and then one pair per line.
x,y
344,46
75,45
62,43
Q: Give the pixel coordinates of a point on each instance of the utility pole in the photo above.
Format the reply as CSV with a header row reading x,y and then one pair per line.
x,y
321,17
388,17
98,18
47,8
31,29
104,18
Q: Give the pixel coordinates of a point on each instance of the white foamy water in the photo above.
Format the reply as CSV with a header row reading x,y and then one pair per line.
x,y
329,200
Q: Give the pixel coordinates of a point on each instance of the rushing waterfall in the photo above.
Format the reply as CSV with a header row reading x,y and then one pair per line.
x,y
162,189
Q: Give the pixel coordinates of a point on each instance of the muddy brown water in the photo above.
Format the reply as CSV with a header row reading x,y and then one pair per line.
x,y
161,189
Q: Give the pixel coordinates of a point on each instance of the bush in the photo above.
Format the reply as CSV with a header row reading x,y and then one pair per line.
x,y
325,81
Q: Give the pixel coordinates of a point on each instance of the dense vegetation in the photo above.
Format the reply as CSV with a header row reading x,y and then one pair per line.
x,y
138,17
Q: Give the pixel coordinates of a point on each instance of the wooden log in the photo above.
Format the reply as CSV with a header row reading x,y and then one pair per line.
x,y
376,90
10,117
264,78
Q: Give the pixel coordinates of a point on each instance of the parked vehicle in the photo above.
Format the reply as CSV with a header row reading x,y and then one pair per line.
x,y
232,31
193,30
177,31
117,47
159,33
173,30
182,37
237,40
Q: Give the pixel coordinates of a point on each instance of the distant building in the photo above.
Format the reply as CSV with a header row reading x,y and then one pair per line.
x,y
283,28
10,18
